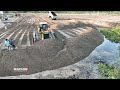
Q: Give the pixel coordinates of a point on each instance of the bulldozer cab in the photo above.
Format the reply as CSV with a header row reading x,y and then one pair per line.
x,y
43,27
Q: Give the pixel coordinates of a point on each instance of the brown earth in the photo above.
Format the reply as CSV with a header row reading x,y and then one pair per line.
x,y
52,53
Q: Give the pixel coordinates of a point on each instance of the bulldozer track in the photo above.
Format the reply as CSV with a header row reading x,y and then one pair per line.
x,y
17,32
22,30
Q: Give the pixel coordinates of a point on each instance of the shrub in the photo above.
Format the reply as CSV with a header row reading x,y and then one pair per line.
x,y
109,71
113,35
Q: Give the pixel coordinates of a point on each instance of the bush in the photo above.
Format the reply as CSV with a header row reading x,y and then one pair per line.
x,y
109,71
113,35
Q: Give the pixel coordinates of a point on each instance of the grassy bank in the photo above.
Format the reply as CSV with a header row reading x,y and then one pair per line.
x,y
112,35
90,12
76,12
73,12
109,72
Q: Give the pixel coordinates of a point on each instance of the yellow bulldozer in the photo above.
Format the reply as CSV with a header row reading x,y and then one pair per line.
x,y
43,30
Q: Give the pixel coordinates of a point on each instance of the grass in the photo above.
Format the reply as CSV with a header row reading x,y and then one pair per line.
x,y
91,12
109,72
76,12
112,35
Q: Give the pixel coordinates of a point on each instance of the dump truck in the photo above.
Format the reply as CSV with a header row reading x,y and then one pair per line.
x,y
17,14
52,15
5,18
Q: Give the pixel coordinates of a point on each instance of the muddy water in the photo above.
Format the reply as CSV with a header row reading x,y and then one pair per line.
x,y
107,52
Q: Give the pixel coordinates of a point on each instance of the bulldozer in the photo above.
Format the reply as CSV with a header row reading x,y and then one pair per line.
x,y
43,30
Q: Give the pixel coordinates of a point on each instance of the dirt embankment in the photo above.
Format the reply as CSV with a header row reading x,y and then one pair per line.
x,y
79,47
51,53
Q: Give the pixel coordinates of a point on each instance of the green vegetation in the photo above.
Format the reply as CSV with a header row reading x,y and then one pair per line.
x,y
75,12
70,12
107,12
109,72
89,12
112,35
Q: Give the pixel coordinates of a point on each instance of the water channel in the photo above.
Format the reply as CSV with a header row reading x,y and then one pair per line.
x,y
108,52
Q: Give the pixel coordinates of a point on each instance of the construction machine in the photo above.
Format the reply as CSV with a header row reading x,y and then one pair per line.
x,y
52,15
17,14
43,30
5,18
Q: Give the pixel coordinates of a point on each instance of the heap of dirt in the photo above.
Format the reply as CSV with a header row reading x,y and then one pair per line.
x,y
69,24
35,58
101,23
51,53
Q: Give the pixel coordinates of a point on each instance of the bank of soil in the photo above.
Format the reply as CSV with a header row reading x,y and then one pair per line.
x,y
51,53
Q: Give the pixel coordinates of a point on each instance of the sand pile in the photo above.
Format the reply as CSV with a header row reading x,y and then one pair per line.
x,y
51,53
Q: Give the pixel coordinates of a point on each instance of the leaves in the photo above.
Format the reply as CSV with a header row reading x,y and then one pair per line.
x,y
109,71
113,35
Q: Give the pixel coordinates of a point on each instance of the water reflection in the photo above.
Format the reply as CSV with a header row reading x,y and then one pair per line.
x,y
119,50
108,52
